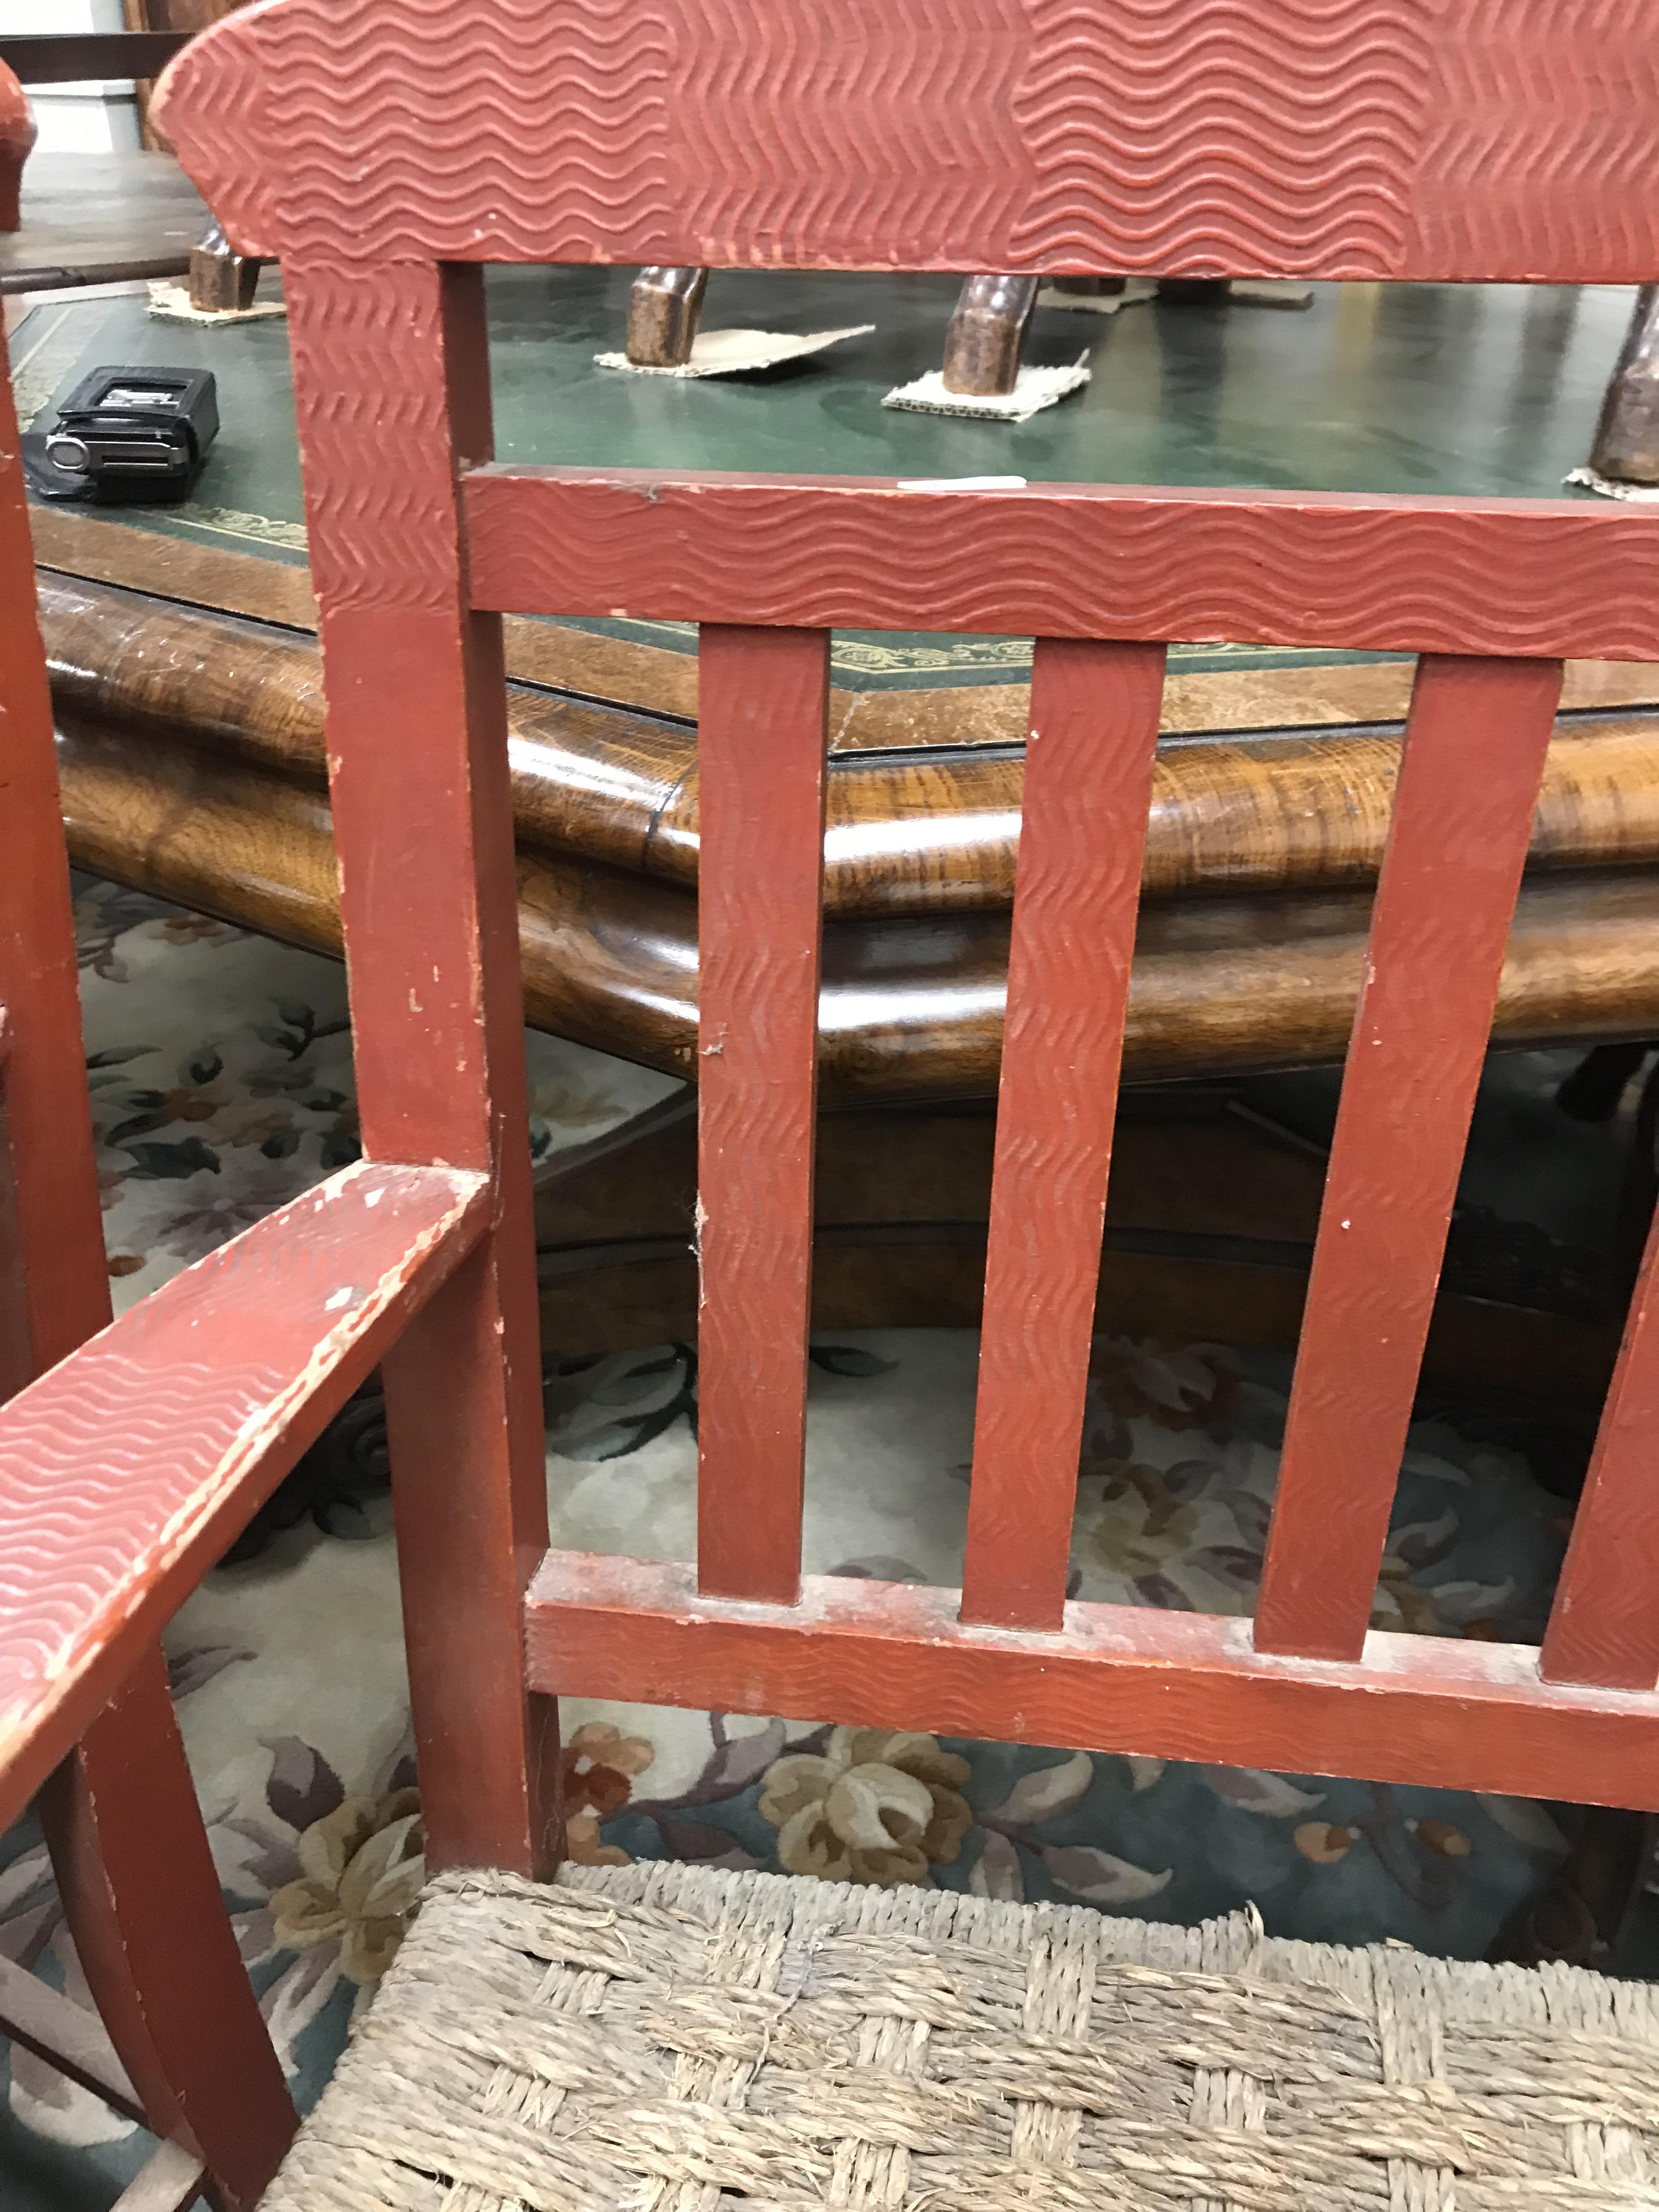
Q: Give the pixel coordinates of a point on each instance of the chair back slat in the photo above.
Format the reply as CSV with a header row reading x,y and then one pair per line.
x,y
1458,842
1604,1624
763,701
1083,829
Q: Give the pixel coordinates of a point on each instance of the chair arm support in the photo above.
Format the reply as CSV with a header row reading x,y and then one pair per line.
x,y
126,1470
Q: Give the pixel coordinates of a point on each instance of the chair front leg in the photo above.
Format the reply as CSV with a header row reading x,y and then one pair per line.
x,y
143,1902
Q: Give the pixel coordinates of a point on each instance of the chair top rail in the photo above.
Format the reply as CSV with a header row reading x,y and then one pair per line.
x,y
1539,579
1497,140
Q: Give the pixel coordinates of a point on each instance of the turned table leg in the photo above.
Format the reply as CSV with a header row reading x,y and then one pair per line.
x,y
662,312
983,343
16,137
220,279
1626,448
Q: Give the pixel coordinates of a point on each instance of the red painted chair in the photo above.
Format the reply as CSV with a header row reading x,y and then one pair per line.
x,y
93,1730
666,2037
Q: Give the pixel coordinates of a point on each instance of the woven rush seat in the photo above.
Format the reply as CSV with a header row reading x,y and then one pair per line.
x,y
663,2036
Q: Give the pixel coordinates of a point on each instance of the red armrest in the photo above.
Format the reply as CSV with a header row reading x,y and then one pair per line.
x,y
126,1470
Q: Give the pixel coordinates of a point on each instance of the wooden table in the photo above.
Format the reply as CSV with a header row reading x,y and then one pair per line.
x,y
192,755
94,218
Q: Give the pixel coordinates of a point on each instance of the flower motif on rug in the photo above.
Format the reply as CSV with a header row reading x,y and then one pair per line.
x,y
220,1068
363,1870
598,1767
875,1806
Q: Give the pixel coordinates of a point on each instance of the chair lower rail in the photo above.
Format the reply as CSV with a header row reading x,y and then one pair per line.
x,y
1413,1709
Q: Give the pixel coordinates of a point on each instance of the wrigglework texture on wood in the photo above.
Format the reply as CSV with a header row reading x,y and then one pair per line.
x,y
1088,777
392,364
1539,577
383,151
124,1471
1503,140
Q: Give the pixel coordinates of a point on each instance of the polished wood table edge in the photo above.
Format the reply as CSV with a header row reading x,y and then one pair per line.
x,y
625,672
912,1005
909,831
95,216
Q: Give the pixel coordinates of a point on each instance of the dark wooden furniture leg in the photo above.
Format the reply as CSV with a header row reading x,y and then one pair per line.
x,y
16,137
1195,291
1595,1089
985,333
138,1885
1090,288
222,281
662,312
1626,448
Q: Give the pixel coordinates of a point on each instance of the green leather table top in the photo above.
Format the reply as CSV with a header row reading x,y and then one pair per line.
x,y
1478,389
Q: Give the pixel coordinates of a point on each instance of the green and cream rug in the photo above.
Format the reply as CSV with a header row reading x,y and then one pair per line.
x,y
222,1086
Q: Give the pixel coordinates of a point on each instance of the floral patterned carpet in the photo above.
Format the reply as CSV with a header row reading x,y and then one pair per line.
x,y
220,1069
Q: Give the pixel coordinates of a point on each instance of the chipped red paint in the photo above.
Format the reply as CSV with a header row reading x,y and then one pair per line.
x,y
1451,870
131,1860
392,389
125,1470
1604,1626
1503,138
1117,1678
762,727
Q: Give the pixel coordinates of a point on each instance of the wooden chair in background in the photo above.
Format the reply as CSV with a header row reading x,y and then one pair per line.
x,y
187,2053
683,2033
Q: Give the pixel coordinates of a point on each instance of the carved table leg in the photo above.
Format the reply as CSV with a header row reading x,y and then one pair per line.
x,y
983,343
1581,1916
662,312
222,280
1595,1089
1626,448
16,137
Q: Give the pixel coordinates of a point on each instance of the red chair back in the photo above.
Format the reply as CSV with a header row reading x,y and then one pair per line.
x,y
387,149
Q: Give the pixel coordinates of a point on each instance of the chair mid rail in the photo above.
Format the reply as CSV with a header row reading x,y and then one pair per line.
x,y
1535,580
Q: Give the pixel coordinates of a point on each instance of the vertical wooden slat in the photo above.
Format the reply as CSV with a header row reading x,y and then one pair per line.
x,y
393,398
762,726
1604,1624
1458,842
1082,830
